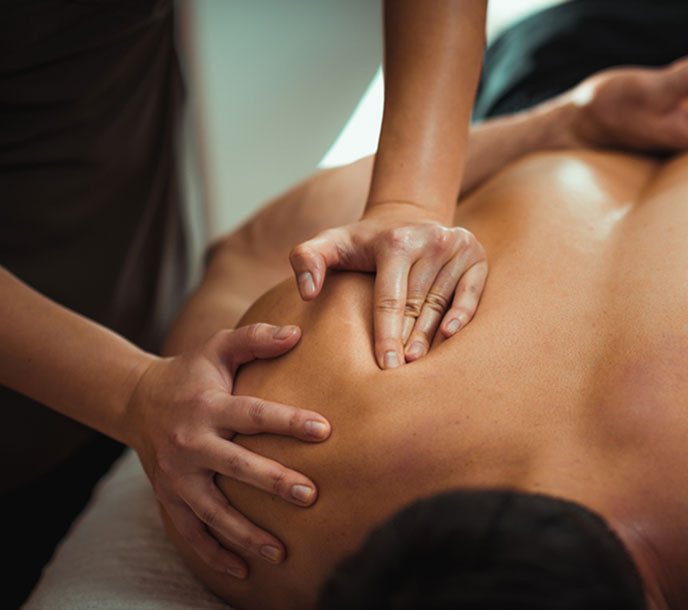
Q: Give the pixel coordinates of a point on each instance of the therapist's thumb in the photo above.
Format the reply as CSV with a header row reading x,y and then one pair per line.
x,y
311,259
247,343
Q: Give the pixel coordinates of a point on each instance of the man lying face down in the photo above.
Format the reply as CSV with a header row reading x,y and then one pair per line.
x,y
538,456
553,424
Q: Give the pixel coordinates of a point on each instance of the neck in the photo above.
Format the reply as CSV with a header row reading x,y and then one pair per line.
x,y
643,520
648,519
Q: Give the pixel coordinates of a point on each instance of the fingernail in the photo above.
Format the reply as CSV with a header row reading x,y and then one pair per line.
x,y
302,493
272,553
283,332
306,284
416,350
391,360
453,326
237,573
316,429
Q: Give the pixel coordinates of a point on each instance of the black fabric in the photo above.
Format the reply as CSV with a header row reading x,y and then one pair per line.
x,y
90,216
553,50
90,96
37,515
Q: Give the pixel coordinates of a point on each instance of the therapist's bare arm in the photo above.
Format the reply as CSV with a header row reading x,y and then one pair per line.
x,y
433,56
428,275
176,412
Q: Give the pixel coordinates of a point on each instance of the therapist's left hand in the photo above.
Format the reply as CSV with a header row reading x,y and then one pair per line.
x,y
429,277
182,418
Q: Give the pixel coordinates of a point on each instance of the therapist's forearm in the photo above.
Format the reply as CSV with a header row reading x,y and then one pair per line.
x,y
65,361
433,53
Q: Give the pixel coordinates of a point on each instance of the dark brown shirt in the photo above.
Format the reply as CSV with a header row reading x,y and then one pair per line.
x,y
90,96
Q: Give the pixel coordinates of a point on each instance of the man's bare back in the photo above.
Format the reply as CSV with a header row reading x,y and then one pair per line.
x,y
570,381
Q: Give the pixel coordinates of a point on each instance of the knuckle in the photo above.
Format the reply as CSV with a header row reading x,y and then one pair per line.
x,y
480,253
210,514
463,239
437,302
299,252
398,239
414,304
256,412
198,540
278,480
440,241
463,314
244,540
387,305
255,331
469,293
179,440
236,466
463,242
203,404
294,422
473,290
385,344
437,232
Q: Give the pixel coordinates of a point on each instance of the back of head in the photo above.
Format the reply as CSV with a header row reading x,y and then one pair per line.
x,y
488,550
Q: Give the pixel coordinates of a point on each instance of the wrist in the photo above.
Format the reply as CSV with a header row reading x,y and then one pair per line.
x,y
134,393
407,211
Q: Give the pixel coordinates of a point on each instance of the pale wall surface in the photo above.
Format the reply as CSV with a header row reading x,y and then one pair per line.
x,y
278,79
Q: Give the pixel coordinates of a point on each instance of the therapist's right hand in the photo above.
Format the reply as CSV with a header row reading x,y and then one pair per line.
x,y
181,419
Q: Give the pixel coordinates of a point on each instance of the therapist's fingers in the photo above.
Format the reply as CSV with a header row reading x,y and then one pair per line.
x,y
249,415
466,299
237,462
464,278
389,304
247,343
436,304
421,278
311,259
212,508
202,542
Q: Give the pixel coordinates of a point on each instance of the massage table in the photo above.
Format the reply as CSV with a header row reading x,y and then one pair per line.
x,y
117,555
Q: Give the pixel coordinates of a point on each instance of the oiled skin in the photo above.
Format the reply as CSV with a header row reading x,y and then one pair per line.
x,y
571,379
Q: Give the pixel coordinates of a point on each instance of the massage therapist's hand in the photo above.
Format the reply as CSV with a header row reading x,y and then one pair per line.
x,y
181,419
428,276
644,109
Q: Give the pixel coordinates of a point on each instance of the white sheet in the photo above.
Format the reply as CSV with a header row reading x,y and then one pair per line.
x,y
117,555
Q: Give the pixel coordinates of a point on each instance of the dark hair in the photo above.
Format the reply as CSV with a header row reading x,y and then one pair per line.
x,y
488,549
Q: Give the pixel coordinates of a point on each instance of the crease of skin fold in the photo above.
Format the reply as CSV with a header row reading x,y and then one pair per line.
x,y
647,559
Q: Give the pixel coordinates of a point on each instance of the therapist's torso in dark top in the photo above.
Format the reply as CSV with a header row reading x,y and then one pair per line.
x,y
90,96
